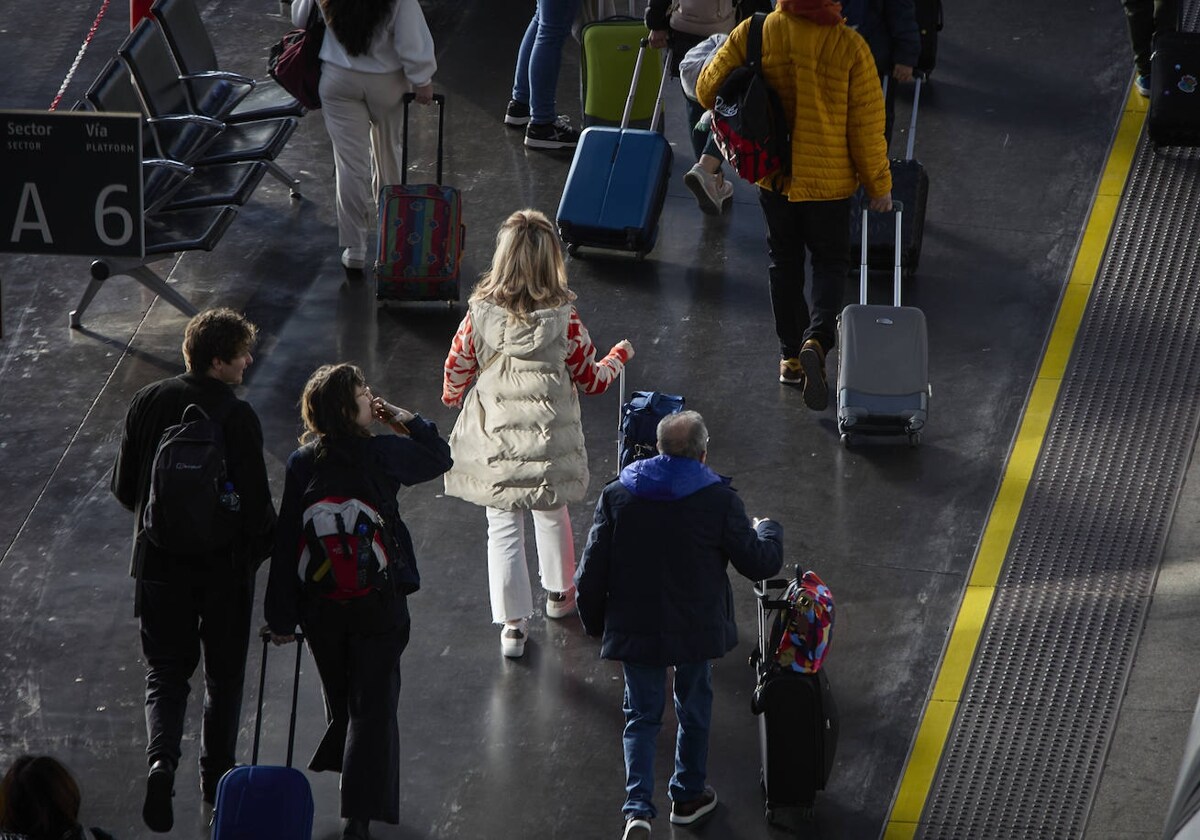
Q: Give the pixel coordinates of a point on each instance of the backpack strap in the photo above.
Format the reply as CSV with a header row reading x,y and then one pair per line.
x,y
754,38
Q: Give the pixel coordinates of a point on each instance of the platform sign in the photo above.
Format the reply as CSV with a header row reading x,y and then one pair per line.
x,y
71,183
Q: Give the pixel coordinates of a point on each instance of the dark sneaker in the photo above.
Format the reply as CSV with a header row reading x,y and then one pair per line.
x,y
208,786
686,813
816,387
637,829
790,372
517,114
160,787
555,135
356,829
1142,83
560,604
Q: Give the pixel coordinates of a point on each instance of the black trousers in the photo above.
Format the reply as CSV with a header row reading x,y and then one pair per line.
x,y
1145,17
357,645
794,230
180,620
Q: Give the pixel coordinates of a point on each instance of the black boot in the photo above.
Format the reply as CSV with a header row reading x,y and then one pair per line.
x,y
356,829
160,787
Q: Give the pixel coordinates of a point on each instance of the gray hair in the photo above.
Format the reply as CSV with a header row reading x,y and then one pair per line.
x,y
683,435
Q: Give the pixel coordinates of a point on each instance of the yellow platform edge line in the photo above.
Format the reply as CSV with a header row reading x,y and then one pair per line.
x,y
938,716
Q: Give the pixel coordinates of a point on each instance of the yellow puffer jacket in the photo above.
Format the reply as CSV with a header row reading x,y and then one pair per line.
x,y
826,79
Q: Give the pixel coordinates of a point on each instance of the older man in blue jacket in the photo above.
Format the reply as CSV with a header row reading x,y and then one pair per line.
x,y
653,582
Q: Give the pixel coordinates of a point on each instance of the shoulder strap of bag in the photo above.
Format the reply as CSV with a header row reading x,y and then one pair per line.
x,y
754,41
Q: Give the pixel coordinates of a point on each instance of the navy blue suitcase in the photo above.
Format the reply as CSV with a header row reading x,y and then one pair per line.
x,y
615,189
256,802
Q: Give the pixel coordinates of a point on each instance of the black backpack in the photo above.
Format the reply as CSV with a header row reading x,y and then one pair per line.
x,y
639,424
748,122
193,508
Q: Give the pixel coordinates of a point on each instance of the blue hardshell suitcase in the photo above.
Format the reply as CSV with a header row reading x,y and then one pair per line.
x,y
256,802
883,364
617,183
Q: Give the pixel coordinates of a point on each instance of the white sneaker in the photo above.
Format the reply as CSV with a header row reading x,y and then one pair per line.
x,y
560,604
512,639
354,257
710,193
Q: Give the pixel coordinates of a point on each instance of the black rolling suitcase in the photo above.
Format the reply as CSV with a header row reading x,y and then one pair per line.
x,y
910,186
797,714
883,368
1174,118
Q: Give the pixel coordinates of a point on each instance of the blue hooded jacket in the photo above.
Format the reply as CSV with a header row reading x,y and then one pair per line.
x,y
653,578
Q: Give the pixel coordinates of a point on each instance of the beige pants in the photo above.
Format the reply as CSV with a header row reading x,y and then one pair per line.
x,y
363,114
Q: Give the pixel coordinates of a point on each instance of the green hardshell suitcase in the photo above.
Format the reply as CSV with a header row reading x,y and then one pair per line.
x,y
610,49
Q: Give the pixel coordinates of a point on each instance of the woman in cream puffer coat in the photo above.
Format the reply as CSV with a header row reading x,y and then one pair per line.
x,y
518,444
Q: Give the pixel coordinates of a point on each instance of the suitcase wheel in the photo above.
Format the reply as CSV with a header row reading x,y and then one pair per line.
x,y
572,249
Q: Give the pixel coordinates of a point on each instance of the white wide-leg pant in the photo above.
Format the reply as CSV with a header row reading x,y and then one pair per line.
x,y
363,115
508,572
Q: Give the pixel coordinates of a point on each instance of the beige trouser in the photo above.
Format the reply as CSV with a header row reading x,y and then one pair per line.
x,y
363,114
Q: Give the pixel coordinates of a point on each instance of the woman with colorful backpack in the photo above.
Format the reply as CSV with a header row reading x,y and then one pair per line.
x,y
343,569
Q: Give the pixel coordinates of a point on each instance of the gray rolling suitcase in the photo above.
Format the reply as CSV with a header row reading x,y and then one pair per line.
x,y
883,373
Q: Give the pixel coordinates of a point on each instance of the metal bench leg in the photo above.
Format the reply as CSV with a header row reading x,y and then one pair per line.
x,y
283,175
163,289
99,275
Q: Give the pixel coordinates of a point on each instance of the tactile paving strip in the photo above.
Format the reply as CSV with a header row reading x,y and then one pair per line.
x,y
1024,756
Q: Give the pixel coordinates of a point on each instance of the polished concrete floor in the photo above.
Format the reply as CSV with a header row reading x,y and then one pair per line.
x,y
1014,130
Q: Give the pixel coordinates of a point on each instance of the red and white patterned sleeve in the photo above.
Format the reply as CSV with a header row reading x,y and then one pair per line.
x,y
461,366
590,376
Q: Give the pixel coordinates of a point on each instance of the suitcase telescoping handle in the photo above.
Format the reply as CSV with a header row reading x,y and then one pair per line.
x,y
620,414
409,98
637,74
898,209
912,120
265,633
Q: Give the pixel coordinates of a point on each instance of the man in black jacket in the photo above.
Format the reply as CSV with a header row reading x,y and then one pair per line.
x,y
189,602
653,581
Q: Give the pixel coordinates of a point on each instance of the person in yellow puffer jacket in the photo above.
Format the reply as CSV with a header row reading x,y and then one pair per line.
x,y
826,80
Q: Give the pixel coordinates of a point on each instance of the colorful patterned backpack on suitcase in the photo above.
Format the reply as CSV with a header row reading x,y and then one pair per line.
x,y
420,232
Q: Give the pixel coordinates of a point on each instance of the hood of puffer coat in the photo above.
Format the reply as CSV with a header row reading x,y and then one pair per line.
x,y
520,337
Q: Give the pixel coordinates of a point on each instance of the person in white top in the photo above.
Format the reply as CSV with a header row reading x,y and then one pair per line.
x,y
374,52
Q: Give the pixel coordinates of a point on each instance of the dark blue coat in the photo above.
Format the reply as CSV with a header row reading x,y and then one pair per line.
x,y
890,29
397,461
653,575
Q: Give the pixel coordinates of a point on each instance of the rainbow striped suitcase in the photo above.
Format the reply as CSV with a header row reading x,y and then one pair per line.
x,y
420,232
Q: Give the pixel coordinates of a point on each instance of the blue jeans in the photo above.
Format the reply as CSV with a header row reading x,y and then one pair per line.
x,y
645,696
540,56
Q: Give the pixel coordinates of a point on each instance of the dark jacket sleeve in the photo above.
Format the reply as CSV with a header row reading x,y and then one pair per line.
x,y
658,14
421,456
126,483
591,578
248,472
900,20
756,554
282,603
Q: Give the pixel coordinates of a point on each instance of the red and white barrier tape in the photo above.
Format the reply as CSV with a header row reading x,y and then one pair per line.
x,y
78,58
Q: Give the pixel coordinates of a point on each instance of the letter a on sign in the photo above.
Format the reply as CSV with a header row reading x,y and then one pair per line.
x,y
29,195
